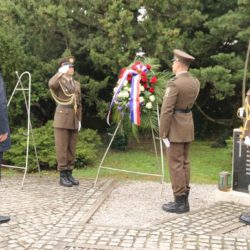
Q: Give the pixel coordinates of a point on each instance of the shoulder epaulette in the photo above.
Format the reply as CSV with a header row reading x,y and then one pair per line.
x,y
173,78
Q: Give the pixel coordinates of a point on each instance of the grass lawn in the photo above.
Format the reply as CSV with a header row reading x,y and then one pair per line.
x,y
206,163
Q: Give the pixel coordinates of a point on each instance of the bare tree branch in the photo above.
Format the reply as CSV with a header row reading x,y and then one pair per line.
x,y
211,119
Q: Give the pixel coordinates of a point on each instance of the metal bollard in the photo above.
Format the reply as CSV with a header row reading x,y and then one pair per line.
x,y
224,183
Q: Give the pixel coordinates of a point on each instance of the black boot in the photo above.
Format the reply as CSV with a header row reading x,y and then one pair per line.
x,y
64,179
245,218
165,205
71,178
187,202
179,206
4,219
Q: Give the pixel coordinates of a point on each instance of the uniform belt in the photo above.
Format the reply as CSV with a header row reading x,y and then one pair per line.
x,y
65,106
182,110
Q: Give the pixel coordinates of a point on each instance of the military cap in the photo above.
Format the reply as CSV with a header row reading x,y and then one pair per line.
x,y
66,61
182,57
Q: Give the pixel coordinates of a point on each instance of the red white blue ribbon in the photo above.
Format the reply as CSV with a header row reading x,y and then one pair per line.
x,y
134,103
134,100
121,82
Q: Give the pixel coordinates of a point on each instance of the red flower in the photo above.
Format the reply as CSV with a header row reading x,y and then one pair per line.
x,y
144,79
129,77
152,90
145,85
122,72
153,80
143,74
148,66
135,67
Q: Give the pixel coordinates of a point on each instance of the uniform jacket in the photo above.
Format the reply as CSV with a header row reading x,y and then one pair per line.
x,y
4,124
65,115
246,132
181,93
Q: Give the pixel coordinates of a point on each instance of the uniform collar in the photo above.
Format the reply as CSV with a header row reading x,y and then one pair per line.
x,y
69,78
182,72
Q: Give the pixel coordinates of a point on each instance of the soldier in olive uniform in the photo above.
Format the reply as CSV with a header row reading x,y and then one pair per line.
x,y
67,120
244,113
177,128
4,131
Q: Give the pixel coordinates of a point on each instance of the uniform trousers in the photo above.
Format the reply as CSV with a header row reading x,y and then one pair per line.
x,y
65,142
179,167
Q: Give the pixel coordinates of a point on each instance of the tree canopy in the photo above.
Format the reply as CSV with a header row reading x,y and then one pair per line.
x,y
105,36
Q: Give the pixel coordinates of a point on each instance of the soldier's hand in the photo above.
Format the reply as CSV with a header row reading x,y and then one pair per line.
x,y
3,137
241,112
63,69
79,126
247,141
166,142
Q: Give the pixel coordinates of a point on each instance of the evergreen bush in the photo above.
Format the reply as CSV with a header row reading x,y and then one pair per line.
x,y
87,145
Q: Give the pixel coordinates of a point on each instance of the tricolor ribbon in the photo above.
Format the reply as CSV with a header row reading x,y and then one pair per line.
x,y
134,103
134,100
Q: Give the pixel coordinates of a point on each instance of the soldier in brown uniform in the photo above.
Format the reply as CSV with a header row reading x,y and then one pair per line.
x,y
177,128
67,120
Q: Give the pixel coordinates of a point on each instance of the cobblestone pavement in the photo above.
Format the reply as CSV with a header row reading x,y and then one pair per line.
x,y
47,216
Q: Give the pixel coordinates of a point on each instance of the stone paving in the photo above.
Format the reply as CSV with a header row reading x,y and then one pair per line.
x,y
47,216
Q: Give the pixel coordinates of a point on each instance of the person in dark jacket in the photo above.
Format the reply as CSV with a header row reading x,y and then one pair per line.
x,y
4,131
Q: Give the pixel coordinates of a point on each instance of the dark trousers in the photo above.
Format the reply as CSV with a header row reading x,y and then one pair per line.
x,y
1,158
179,167
2,218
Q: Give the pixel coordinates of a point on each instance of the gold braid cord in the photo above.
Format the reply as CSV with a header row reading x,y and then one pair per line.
x,y
70,100
246,119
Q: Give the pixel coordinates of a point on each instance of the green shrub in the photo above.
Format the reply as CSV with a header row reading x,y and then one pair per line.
x,y
45,145
86,149
120,141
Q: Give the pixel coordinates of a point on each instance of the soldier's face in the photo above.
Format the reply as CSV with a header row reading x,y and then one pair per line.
x,y
174,66
71,70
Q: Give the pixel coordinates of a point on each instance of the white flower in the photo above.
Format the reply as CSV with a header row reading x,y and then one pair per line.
x,y
141,88
149,105
125,83
115,89
141,99
125,94
152,98
121,95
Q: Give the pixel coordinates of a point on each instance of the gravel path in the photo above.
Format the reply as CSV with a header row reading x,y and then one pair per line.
x,y
138,204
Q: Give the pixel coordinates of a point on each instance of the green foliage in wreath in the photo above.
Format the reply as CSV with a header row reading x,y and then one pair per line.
x,y
152,89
